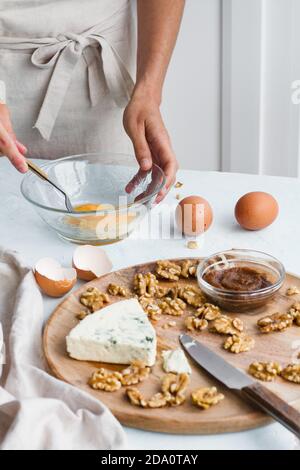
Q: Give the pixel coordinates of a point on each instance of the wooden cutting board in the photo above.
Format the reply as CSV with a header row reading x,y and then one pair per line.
x,y
232,414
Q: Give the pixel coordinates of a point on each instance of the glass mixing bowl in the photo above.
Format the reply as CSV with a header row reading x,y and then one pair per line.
x,y
241,300
106,209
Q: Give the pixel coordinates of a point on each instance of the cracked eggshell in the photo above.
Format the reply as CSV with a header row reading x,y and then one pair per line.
x,y
91,262
52,278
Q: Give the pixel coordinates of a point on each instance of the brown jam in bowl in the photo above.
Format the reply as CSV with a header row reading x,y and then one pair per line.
x,y
237,279
240,280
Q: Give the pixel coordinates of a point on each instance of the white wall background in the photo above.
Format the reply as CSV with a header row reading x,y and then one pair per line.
x,y
227,100
280,152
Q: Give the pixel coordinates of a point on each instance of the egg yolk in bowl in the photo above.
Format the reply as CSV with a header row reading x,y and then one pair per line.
x,y
103,224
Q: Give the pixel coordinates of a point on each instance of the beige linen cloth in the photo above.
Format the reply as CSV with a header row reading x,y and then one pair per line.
x,y
68,69
37,411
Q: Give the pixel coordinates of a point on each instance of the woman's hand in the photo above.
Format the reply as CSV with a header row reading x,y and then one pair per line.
x,y
144,125
9,145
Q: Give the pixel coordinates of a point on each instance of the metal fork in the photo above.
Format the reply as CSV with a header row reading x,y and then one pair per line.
x,y
41,174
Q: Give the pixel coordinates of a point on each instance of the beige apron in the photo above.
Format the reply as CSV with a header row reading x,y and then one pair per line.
x,y
68,68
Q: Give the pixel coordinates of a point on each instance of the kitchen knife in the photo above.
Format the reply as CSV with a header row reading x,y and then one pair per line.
x,y
236,380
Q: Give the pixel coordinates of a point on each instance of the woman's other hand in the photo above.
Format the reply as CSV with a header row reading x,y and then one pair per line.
x,y
158,26
9,145
145,127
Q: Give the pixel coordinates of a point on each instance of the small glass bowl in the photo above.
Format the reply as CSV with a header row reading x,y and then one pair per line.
x,y
102,180
241,300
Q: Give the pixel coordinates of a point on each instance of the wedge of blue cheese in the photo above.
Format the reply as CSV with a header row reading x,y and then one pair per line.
x,y
118,334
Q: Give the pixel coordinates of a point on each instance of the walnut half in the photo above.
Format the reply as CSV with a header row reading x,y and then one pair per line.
x,y
225,325
291,373
93,299
206,397
191,295
150,307
135,373
188,268
145,284
208,312
105,380
171,306
82,314
158,400
168,270
172,393
239,343
174,387
294,311
293,290
135,397
275,322
266,371
193,323
115,289
110,381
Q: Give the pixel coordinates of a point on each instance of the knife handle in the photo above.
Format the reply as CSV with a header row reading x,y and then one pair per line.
x,y
274,406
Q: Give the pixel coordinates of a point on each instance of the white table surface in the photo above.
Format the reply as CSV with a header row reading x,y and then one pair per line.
x,y
22,230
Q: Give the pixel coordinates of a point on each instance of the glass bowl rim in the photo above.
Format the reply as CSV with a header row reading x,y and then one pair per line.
x,y
218,290
93,212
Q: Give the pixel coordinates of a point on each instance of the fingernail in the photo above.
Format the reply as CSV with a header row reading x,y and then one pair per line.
x,y
144,163
22,167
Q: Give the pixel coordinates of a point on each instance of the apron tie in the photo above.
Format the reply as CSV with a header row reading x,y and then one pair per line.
x,y
62,55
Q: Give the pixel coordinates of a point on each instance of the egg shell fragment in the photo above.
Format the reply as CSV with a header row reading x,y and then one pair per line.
x,y
52,278
91,262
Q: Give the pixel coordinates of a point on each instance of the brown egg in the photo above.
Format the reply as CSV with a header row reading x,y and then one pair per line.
x,y
194,215
256,210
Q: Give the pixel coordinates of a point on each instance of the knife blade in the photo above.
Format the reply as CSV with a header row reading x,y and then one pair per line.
x,y
215,365
237,380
